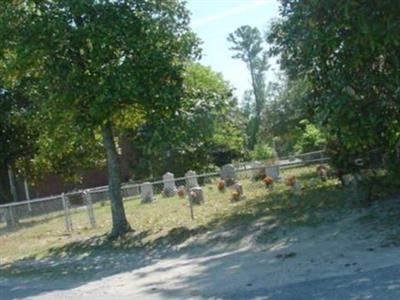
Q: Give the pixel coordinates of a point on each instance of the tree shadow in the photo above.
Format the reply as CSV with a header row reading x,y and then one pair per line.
x,y
26,224
267,218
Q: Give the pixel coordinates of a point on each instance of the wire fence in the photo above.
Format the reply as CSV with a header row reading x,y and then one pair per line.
x,y
78,208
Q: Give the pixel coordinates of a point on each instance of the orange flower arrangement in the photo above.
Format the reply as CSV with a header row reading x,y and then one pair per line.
x,y
181,192
269,181
221,185
235,195
322,172
291,181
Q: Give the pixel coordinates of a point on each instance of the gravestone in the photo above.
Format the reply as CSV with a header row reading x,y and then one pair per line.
x,y
146,192
169,189
228,174
191,180
196,195
237,192
272,171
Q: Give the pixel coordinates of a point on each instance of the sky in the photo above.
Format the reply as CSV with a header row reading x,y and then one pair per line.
x,y
213,20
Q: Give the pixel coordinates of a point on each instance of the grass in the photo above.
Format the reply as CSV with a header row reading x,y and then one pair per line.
x,y
168,219
162,225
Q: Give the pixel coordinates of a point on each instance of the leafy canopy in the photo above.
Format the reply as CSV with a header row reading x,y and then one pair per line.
x,y
96,59
348,51
205,132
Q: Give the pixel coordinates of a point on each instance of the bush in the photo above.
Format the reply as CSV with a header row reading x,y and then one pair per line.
x,y
312,139
263,152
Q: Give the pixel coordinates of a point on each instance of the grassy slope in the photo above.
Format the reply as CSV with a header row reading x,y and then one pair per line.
x,y
166,222
164,216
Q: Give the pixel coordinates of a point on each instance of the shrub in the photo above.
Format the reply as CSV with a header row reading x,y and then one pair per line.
x,y
312,139
263,152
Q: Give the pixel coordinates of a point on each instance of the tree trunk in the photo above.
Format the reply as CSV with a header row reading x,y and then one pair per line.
x,y
5,195
254,133
5,192
120,225
13,183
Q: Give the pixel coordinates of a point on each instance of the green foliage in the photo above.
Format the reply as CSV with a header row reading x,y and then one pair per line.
x,y
89,63
103,56
17,138
348,52
312,139
119,61
263,152
283,114
205,132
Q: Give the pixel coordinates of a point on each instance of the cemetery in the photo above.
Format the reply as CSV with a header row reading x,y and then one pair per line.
x,y
171,149
300,200
153,203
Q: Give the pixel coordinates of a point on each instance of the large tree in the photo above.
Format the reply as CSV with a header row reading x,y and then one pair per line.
x,y
247,43
204,133
285,118
95,61
348,52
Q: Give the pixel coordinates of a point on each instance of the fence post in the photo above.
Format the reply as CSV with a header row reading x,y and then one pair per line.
x,y
10,217
89,206
67,214
28,197
191,207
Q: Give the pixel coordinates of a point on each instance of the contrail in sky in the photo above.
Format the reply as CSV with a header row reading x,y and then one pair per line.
x,y
231,12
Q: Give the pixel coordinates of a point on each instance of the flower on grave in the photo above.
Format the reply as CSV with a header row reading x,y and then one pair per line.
x,y
181,192
193,194
291,181
221,185
269,181
235,195
322,172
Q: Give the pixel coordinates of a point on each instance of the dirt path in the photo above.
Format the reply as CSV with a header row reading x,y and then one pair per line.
x,y
332,251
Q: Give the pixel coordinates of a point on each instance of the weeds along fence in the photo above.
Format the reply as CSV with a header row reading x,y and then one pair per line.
x,y
78,208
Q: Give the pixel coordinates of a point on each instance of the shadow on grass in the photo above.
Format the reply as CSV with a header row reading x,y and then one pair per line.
x,y
24,224
97,257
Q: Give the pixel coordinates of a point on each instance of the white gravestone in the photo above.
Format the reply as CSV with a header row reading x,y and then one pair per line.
x,y
169,189
146,192
238,188
238,192
272,171
191,180
228,174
